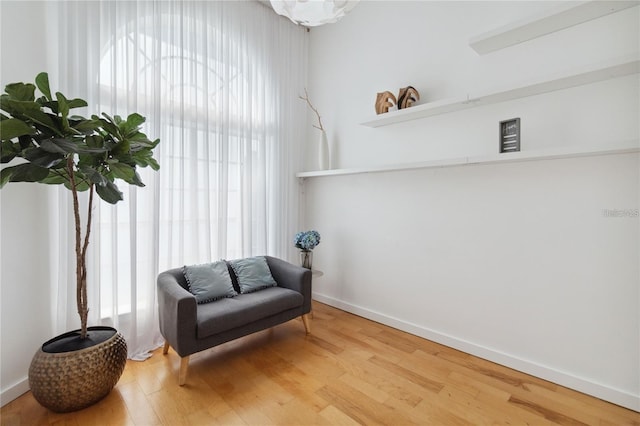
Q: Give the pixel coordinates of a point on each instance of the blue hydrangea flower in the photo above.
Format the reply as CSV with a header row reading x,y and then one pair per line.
x,y
307,240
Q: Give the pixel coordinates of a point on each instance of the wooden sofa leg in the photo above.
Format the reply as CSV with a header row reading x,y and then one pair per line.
x,y
307,323
165,348
184,366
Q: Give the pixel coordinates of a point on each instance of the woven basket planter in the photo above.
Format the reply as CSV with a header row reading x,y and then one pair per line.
x,y
71,380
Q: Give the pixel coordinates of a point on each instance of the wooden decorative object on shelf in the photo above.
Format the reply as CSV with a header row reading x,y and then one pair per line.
x,y
384,100
407,96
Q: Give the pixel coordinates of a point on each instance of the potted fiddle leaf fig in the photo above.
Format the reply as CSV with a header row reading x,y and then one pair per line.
x,y
41,141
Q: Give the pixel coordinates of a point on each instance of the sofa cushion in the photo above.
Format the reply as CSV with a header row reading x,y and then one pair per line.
x,y
253,274
209,282
226,314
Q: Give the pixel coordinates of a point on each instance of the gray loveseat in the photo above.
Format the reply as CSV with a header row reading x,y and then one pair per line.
x,y
189,327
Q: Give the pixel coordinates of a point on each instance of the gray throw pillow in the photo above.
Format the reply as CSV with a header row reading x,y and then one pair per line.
x,y
253,274
209,282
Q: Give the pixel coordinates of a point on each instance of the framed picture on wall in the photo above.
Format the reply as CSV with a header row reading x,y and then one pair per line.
x,y
510,135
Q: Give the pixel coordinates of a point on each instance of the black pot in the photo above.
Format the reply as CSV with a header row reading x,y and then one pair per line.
x,y
68,373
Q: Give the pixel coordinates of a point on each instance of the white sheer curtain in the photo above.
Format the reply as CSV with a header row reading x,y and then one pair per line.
x,y
218,83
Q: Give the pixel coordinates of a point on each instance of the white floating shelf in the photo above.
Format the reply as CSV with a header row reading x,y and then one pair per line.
x,y
567,15
513,157
586,75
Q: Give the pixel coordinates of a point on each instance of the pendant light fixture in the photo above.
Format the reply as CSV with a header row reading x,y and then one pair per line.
x,y
311,13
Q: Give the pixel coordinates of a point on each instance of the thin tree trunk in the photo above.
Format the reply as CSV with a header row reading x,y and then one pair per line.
x,y
85,304
81,290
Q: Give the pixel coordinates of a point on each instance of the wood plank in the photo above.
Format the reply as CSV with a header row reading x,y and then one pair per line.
x,y
360,407
337,417
591,406
137,404
418,379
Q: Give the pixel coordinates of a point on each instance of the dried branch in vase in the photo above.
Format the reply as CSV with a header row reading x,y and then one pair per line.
x,y
306,98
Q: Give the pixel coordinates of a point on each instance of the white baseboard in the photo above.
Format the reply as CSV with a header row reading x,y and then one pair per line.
x,y
12,392
597,390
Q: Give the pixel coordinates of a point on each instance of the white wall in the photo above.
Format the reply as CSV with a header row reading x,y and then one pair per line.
x,y
513,262
25,272
385,45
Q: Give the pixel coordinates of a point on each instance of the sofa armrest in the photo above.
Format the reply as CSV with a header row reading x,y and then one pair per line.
x,y
176,313
293,277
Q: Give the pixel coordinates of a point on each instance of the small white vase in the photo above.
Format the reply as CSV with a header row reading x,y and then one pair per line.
x,y
323,152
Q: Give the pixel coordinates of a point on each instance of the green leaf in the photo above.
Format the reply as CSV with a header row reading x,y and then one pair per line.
x,y
42,158
135,120
95,141
140,138
121,148
42,81
108,125
81,184
56,177
94,176
25,172
58,145
144,159
42,101
137,180
141,143
77,103
123,171
141,155
8,151
5,176
90,160
21,91
63,105
25,142
63,110
69,146
44,119
15,107
52,105
84,149
13,128
154,164
131,127
109,193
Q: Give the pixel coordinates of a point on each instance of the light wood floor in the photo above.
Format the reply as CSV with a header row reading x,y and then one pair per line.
x,y
348,371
